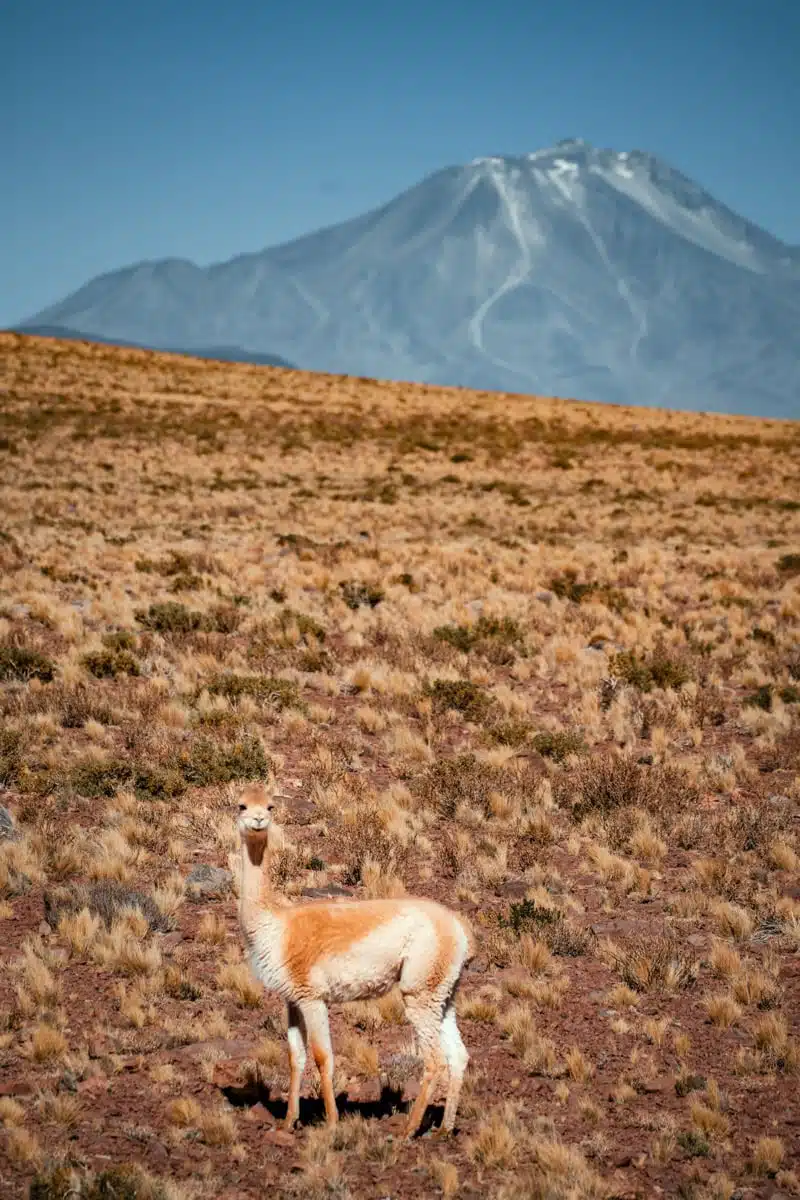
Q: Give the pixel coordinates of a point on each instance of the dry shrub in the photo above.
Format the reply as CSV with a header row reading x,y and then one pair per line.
x,y
460,695
106,900
723,1011
776,1050
605,785
455,781
654,963
237,979
123,947
561,1173
47,1044
11,1112
768,1154
498,1140
22,1147
548,925
360,840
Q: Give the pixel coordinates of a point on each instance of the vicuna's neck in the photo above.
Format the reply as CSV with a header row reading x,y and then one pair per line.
x,y
255,884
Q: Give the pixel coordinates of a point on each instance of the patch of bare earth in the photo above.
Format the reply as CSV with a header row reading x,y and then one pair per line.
x,y
537,659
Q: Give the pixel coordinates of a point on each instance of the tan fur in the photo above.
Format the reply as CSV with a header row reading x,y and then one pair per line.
x,y
318,953
319,929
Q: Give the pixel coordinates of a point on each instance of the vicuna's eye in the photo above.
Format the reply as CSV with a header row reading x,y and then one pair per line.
x,y
242,808
270,807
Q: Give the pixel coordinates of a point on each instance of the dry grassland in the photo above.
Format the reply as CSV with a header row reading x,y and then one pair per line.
x,y
538,659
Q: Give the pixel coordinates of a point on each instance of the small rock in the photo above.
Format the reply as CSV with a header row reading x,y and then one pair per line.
x,y
478,965
545,597
8,831
44,929
330,891
16,1087
658,1087
204,881
261,1115
279,1137
158,1155
170,940
95,1085
216,1048
68,1081
512,889
696,939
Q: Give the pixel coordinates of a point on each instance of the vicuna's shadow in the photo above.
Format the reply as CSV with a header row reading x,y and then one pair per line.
x,y
312,1111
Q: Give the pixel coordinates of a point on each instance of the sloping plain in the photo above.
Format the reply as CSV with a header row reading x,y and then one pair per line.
x,y
537,659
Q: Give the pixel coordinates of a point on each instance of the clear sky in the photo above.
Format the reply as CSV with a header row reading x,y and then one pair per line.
x,y
201,130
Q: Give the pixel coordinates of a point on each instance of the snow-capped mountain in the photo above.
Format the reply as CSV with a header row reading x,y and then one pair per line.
x,y
571,271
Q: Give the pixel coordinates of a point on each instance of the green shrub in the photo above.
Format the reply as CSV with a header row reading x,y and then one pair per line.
x,y
694,1143
461,780
361,595
266,689
209,762
170,617
760,698
186,582
460,694
566,586
406,579
94,779
314,660
485,635
658,671
108,664
20,663
121,639
159,782
10,756
549,925
510,733
559,746
459,636
308,626
528,915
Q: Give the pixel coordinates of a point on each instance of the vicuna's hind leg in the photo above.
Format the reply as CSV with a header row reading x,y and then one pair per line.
x,y
455,1053
297,1060
425,1016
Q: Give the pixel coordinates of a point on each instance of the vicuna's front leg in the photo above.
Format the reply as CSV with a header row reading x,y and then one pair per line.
x,y
297,1060
315,1015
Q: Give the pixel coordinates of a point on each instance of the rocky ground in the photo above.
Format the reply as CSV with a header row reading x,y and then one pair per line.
x,y
537,659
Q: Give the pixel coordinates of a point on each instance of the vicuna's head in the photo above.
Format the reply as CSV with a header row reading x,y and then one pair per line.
x,y
256,808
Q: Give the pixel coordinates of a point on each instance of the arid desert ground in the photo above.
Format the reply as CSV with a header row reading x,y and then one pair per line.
x,y
537,659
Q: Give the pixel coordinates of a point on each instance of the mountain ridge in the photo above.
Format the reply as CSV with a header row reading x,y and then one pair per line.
x,y
571,270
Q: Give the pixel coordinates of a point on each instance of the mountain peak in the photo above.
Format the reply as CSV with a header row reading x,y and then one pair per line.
x,y
572,270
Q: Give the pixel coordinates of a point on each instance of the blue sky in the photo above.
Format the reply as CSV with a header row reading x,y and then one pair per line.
x,y
201,130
